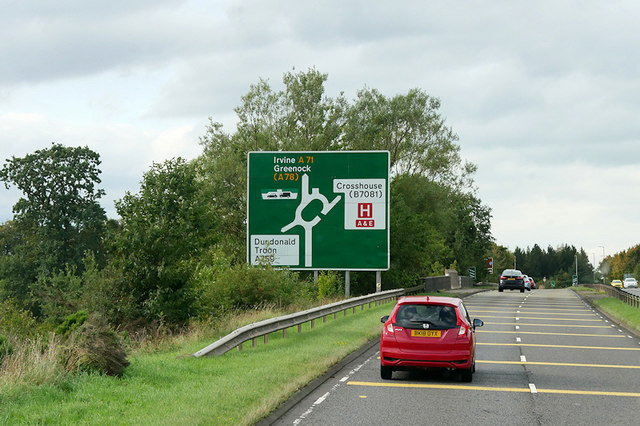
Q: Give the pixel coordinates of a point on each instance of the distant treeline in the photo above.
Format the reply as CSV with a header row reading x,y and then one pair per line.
x,y
559,264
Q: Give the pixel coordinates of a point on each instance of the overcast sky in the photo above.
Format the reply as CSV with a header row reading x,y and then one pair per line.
x,y
544,95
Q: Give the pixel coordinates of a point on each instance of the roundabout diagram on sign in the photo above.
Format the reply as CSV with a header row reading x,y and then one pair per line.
x,y
307,225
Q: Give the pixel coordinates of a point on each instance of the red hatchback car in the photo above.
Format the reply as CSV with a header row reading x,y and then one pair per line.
x,y
426,332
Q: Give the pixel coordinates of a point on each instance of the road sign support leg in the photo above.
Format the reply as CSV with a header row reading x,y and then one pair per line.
x,y
347,284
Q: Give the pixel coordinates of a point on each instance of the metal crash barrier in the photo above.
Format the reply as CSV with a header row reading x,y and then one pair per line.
x,y
263,328
618,293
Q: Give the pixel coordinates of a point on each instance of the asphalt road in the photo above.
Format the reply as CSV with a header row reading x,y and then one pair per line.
x,y
543,357
635,291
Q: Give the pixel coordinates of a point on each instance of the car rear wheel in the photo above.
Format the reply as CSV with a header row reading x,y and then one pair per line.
x,y
500,289
522,290
466,375
386,372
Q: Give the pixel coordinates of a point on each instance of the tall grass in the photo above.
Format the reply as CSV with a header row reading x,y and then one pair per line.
x,y
164,385
33,362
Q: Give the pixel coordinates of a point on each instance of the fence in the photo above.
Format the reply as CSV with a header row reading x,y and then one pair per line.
x,y
618,293
263,328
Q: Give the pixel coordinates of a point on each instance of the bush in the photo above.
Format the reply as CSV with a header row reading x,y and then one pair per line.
x,y
16,322
72,322
5,348
245,287
58,293
329,284
95,347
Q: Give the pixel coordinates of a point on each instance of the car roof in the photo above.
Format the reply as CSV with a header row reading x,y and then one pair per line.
x,y
429,300
630,278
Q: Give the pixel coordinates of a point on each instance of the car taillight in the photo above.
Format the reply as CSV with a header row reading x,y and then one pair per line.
x,y
389,330
503,277
463,330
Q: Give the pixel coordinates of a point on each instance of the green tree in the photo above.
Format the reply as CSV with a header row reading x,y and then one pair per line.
x,y
60,200
411,128
470,233
419,217
502,259
56,221
164,229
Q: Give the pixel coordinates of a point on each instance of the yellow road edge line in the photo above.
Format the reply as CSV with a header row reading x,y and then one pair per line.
x,y
522,311
599,393
543,318
558,346
568,308
433,386
551,334
492,389
559,364
547,325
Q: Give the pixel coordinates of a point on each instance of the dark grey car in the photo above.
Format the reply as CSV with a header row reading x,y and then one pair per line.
x,y
511,279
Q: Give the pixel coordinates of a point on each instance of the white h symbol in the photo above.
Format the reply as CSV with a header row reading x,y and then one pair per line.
x,y
365,210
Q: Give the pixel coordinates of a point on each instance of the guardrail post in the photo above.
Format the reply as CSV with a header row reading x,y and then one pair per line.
x,y
254,342
312,323
324,319
299,328
284,333
239,347
265,339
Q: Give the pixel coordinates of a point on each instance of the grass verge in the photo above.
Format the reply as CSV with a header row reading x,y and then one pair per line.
x,y
626,314
170,387
587,289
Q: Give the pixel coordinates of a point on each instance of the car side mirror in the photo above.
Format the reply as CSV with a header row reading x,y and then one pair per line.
x,y
384,319
477,323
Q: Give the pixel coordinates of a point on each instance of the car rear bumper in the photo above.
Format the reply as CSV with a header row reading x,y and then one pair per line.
x,y
451,359
516,286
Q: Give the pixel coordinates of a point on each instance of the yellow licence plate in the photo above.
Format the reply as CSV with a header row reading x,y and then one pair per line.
x,y
425,333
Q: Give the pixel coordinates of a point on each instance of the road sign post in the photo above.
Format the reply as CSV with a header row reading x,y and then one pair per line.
x,y
318,210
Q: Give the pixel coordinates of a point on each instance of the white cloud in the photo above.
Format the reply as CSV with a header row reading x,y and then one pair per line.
x,y
544,95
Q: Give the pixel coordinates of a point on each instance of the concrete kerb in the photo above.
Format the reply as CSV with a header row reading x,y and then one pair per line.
x,y
317,382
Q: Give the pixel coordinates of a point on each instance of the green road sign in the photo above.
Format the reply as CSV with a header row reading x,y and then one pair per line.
x,y
575,280
318,209
472,272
